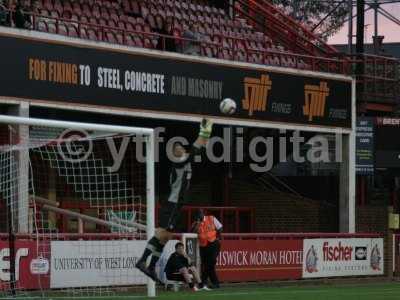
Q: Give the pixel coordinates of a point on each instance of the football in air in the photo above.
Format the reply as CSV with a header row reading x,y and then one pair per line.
x,y
227,106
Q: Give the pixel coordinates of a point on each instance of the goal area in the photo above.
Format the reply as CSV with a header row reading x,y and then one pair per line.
x,y
76,208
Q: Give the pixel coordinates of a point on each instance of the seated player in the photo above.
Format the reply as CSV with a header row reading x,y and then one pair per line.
x,y
180,175
178,268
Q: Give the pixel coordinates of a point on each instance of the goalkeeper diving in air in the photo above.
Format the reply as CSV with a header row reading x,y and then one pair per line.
x,y
180,175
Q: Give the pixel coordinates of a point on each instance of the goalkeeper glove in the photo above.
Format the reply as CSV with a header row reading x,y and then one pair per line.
x,y
205,128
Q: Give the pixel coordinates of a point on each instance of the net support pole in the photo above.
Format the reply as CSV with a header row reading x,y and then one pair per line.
x,y
150,186
20,132
347,223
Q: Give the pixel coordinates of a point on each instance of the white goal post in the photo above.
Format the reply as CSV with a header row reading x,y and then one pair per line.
x,y
148,135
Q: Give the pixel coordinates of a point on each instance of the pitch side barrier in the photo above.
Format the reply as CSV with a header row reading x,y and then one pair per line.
x,y
284,256
260,256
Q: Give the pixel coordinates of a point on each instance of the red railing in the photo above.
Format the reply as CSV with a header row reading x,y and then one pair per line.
x,y
283,28
267,57
234,219
230,217
224,236
288,236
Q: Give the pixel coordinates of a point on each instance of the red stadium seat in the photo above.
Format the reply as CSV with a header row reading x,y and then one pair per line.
x,y
51,27
120,38
144,10
66,14
111,23
83,33
107,4
192,7
54,14
86,10
121,25
184,6
84,19
131,20
126,5
104,13
72,31
95,11
42,26
48,5
140,21
114,16
91,34
129,26
110,37
147,43
102,22
240,56
44,12
177,4
138,27
89,2
151,21
62,29
135,7
93,21
146,28
77,8
138,41
129,40
58,7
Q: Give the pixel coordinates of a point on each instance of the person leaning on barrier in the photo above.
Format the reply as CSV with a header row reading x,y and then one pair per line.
x,y
192,45
22,18
4,14
167,41
209,231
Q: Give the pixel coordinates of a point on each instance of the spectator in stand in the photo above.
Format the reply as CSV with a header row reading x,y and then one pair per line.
x,y
167,43
22,18
192,46
35,18
3,14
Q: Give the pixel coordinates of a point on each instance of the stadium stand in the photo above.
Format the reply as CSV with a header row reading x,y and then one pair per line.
x,y
139,23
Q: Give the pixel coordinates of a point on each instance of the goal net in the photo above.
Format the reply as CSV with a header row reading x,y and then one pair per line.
x,y
76,208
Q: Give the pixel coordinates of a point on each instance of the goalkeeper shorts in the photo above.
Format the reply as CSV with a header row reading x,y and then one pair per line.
x,y
170,214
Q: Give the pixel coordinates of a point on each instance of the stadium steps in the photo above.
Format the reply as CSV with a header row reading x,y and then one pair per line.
x,y
283,29
283,212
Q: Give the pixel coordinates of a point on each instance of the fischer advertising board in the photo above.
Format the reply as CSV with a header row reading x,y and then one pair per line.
x,y
31,269
95,263
342,257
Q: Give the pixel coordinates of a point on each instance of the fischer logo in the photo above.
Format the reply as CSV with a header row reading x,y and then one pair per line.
x,y
311,260
376,258
5,262
337,253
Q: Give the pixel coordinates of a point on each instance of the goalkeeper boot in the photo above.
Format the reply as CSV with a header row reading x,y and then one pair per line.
x,y
152,274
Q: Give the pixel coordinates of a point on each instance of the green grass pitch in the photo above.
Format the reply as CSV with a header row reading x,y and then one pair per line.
x,y
368,291
389,291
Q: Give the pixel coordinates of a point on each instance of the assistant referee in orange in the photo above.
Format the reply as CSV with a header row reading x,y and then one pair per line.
x,y
208,228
